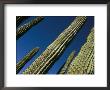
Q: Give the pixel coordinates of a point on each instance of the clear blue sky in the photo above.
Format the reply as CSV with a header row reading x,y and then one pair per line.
x,y
44,33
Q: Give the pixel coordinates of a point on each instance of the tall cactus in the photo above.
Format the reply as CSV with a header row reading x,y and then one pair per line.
x,y
64,69
48,57
26,58
84,61
23,29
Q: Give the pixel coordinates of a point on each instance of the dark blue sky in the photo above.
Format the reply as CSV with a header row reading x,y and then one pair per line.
x,y
44,33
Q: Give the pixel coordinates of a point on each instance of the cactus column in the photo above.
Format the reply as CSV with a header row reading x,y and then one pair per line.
x,y
67,63
52,52
23,29
26,58
84,61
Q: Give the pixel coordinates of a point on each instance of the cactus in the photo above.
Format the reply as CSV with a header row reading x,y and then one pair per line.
x,y
67,63
26,58
19,19
48,57
23,29
83,63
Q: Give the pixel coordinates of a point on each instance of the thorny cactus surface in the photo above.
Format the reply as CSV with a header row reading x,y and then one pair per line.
x,y
23,29
25,59
48,57
84,61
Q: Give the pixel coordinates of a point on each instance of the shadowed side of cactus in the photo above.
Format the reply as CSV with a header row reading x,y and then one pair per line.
x,y
20,19
23,29
26,58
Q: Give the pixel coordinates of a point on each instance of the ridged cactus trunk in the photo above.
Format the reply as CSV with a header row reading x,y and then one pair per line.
x,y
23,29
42,64
26,58
84,61
64,69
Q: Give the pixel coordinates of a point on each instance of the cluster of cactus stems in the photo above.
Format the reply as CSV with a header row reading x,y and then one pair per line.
x,y
48,57
25,59
67,63
83,63
23,29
